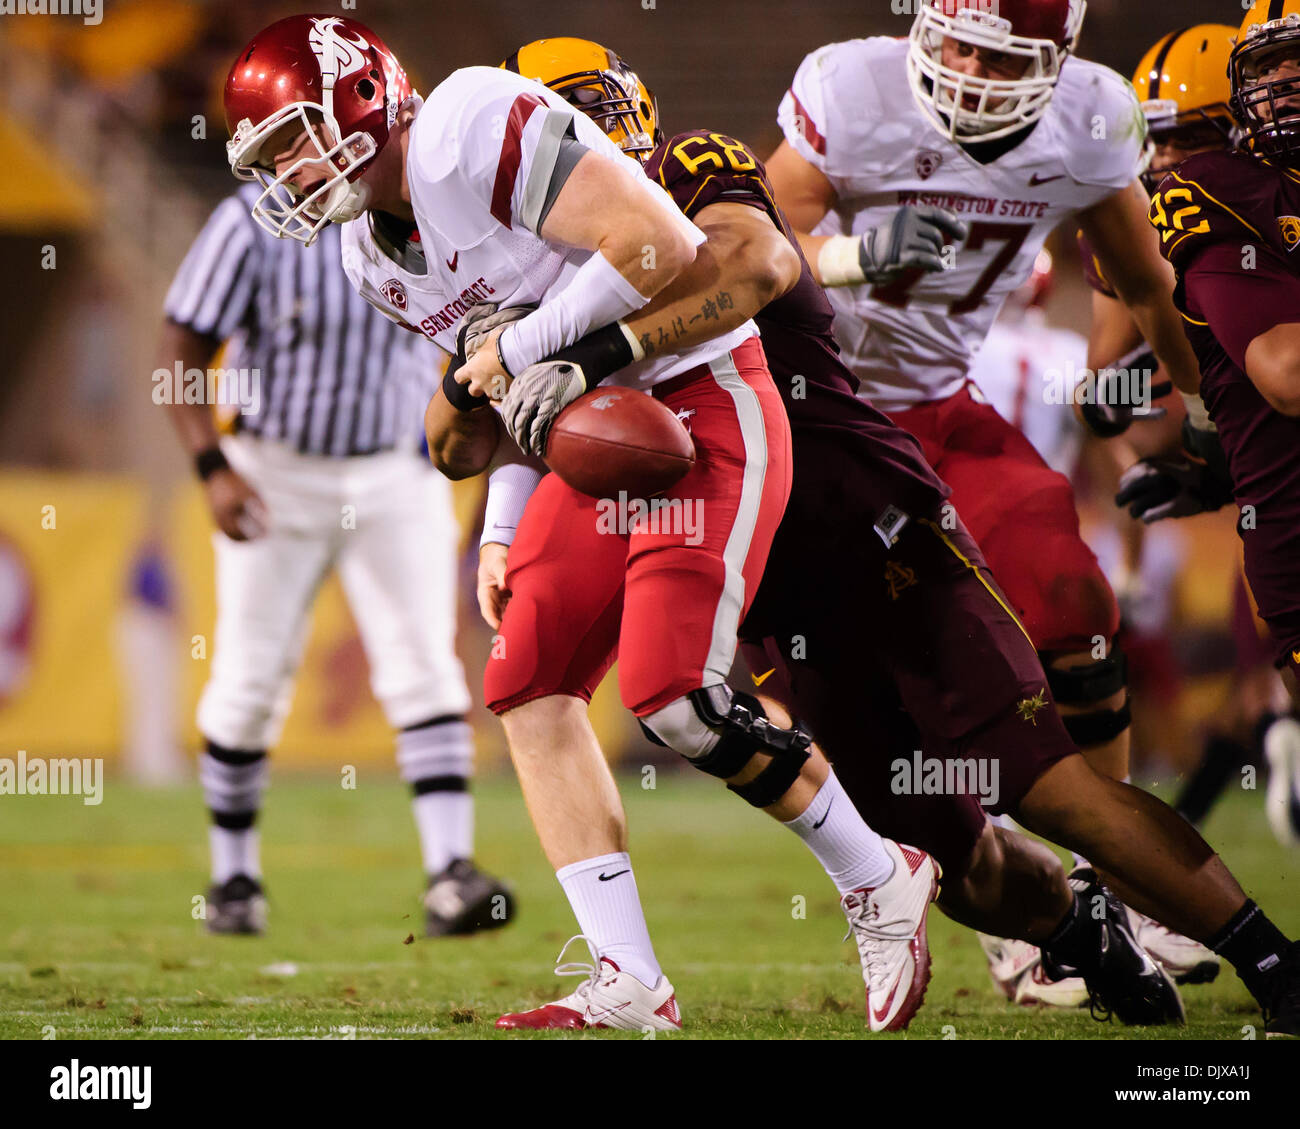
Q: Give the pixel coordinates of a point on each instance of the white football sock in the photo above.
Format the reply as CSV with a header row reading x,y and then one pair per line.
x,y
235,852
850,852
445,821
602,892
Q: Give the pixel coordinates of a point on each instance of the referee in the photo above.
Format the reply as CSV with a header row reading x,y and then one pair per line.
x,y
322,472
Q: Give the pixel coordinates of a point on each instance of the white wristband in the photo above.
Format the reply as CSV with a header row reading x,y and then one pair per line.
x,y
1197,415
839,262
597,296
509,488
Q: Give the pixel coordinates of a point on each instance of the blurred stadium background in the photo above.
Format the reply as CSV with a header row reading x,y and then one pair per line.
x,y
115,151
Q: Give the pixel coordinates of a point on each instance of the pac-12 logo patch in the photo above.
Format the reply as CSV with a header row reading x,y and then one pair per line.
x,y
1290,228
394,293
927,163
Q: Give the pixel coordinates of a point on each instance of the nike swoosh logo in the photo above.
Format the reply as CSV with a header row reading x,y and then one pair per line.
x,y
594,1017
453,262
759,679
879,1014
824,814
1036,180
611,877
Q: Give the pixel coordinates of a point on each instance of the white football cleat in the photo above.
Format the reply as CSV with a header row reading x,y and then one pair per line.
x,y
888,923
1017,970
608,997
1282,801
1187,961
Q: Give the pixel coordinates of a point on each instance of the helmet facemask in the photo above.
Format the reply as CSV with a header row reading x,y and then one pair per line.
x,y
614,102
1194,131
1003,106
280,209
1268,111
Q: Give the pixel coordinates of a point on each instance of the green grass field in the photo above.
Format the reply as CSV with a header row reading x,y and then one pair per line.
x,y
97,937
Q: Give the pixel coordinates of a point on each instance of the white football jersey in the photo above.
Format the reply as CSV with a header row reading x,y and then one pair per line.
x,y
851,113
482,152
1028,371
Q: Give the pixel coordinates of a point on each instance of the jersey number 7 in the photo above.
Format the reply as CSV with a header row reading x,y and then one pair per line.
x,y
1011,235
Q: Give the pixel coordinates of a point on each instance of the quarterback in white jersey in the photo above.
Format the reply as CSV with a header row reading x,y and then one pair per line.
x,y
983,114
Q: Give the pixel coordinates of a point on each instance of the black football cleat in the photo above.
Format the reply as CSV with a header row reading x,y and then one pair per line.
x,y
1282,1010
1122,978
462,899
237,906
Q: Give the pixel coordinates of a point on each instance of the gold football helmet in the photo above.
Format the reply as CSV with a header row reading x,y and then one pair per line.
x,y
1265,74
593,79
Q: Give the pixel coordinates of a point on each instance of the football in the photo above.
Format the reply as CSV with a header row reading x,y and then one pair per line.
x,y
613,439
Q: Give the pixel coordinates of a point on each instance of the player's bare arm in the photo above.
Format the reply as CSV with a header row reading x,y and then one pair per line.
x,y
601,208
1273,365
805,195
912,238
1119,232
461,444
236,507
746,263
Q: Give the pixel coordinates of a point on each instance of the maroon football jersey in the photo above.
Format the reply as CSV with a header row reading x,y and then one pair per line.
x,y
1230,225
700,168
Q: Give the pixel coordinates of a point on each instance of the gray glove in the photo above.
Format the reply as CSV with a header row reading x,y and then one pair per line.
x,y
536,397
481,321
912,238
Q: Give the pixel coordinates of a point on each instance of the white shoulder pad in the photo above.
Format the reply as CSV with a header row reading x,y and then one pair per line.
x,y
480,128
840,102
1102,129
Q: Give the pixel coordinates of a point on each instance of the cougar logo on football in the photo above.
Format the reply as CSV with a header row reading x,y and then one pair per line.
x,y
1290,228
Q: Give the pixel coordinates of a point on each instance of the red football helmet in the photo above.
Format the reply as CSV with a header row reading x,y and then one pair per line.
x,y
337,80
966,108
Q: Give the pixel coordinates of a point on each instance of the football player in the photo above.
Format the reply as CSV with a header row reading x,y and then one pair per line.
x,y
1229,222
849,461
989,116
1184,83
496,191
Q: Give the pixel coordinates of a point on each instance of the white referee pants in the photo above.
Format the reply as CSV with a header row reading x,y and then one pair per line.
x,y
385,522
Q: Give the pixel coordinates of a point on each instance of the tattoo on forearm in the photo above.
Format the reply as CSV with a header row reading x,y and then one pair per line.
x,y
668,332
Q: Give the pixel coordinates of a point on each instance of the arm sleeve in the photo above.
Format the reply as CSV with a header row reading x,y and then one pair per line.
x,y
1240,305
212,292
512,479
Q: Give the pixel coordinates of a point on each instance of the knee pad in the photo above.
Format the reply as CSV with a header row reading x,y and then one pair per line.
x,y
1085,685
719,731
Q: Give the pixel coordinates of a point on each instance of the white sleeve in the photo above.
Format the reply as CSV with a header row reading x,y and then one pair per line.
x,y
512,478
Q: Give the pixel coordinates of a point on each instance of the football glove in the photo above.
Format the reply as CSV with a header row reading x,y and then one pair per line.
x,y
481,321
536,398
912,238
1194,481
1109,414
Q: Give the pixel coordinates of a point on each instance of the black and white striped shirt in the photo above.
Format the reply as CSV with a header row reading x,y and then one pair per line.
x,y
337,377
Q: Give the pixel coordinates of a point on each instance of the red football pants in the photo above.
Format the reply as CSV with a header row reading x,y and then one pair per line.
x,y
592,580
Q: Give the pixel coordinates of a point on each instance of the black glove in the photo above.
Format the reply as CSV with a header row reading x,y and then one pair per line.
x,y
1194,481
1108,414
